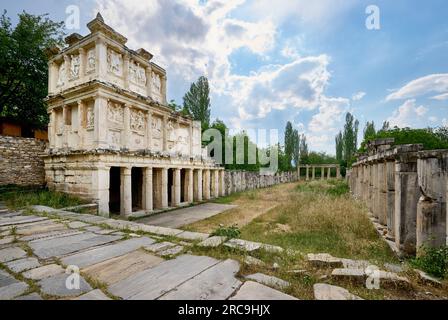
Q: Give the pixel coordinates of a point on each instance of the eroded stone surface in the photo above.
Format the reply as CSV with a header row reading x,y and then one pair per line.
x,y
13,290
10,254
350,274
243,245
77,225
192,236
94,295
21,265
171,251
268,280
6,240
30,297
107,252
251,261
255,291
426,278
120,268
213,242
329,292
56,286
324,260
216,283
43,272
160,246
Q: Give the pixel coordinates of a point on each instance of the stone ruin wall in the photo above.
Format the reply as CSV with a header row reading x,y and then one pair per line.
x,y
21,161
238,181
405,188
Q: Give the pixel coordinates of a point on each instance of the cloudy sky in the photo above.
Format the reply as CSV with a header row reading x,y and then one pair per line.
x,y
305,61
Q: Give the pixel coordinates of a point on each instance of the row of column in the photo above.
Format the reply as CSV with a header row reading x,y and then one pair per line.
x,y
199,185
324,175
407,193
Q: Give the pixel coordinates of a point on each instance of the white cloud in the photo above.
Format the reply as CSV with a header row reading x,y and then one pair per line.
x,y
441,97
358,96
432,83
408,115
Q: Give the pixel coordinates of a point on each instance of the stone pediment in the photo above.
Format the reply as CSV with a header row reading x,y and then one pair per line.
x,y
98,25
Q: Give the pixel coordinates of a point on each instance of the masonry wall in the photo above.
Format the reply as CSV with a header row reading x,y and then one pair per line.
x,y
21,161
405,188
238,181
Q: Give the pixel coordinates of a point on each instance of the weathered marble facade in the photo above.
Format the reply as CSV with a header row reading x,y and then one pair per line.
x,y
239,181
406,190
112,138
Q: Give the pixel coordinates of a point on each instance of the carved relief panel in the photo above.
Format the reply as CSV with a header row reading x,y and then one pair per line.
x,y
91,61
157,133
62,75
156,87
114,62
137,74
75,65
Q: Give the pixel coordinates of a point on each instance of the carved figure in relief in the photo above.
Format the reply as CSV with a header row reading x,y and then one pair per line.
x,y
115,112
90,117
62,74
91,60
156,83
75,66
157,128
138,121
114,62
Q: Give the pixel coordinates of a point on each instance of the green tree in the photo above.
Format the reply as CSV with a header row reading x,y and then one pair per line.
x,y
350,138
296,151
303,150
339,146
24,65
369,130
197,102
289,146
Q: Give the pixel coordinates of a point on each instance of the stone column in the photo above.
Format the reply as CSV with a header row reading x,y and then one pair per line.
x,y
165,134
322,173
100,122
189,186
101,58
390,197
81,125
376,192
307,172
206,184
148,81
126,62
126,136
407,194
338,172
100,189
66,130
163,89
382,193
198,185
370,177
222,183
164,188
215,183
177,187
52,129
432,208
82,63
126,191
148,190
329,173
52,76
314,173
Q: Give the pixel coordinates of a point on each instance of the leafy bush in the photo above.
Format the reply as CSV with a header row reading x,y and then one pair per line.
x,y
430,138
335,188
433,261
338,188
228,232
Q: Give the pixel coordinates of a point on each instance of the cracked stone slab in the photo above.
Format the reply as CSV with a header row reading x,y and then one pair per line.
x,y
120,268
11,253
193,236
216,283
39,227
356,264
254,291
30,297
161,230
51,235
94,256
243,245
160,246
18,220
213,242
350,274
13,290
251,261
6,279
44,272
269,280
324,260
77,225
6,240
48,248
153,283
171,251
56,286
328,292
21,265
95,295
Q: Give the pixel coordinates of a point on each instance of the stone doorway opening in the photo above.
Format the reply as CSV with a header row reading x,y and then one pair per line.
x,y
183,186
157,188
115,190
170,187
137,189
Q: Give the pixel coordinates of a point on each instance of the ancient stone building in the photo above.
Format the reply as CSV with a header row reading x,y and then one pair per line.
x,y
112,138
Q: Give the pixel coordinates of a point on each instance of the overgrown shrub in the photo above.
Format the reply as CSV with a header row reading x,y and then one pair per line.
x,y
228,232
433,261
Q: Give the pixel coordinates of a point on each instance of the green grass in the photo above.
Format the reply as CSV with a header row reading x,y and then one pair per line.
x,y
228,199
434,261
17,198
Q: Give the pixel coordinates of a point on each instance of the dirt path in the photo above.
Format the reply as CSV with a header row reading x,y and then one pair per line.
x,y
248,209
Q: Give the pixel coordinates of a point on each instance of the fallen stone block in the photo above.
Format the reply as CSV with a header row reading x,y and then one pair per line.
x,y
269,280
357,275
254,291
329,292
192,236
213,242
324,260
171,252
244,245
251,261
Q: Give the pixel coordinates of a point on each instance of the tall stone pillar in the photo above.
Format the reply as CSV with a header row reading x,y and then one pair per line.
x,y
165,134
222,183
407,194
148,190
164,188
148,71
206,184
80,125
390,197
101,58
382,192
126,62
307,172
198,185
314,173
100,121
322,173
329,173
375,190
338,172
126,136
126,191
66,131
149,131
52,129
189,186
100,188
177,188
432,208
370,175
215,183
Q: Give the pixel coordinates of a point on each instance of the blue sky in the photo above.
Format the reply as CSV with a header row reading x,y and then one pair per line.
x,y
308,62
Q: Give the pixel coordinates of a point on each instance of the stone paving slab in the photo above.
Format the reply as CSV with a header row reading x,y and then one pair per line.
x,y
6,279
21,265
59,247
95,295
187,235
11,253
44,272
268,280
20,220
77,225
153,283
255,291
213,242
216,283
160,230
185,216
120,268
13,290
328,292
171,251
240,244
6,240
51,235
160,246
94,256
56,286
30,297
39,227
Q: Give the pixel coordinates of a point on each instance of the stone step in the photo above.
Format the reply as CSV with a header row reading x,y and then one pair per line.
x,y
269,280
386,279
